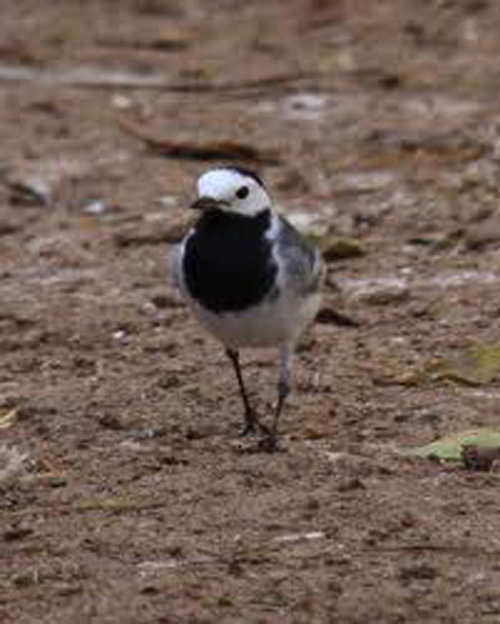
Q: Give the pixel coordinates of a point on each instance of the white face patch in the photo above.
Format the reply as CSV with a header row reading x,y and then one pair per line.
x,y
226,185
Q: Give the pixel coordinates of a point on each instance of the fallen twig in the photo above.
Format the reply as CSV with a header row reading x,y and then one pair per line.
x,y
217,150
91,78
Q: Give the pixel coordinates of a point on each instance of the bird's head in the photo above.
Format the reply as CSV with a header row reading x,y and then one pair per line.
x,y
234,190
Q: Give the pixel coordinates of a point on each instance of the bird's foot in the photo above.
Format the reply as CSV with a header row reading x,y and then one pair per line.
x,y
252,426
266,442
269,443
248,428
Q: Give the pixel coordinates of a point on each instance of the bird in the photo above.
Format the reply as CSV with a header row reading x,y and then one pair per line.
x,y
249,278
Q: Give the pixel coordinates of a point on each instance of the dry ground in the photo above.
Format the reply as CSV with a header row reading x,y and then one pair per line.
x,y
125,494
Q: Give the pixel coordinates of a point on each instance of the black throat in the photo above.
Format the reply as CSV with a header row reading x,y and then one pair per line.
x,y
227,261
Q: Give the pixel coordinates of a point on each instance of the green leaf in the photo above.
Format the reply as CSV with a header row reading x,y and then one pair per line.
x,y
450,447
474,367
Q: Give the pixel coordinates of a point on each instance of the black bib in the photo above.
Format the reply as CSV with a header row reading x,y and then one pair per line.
x,y
227,261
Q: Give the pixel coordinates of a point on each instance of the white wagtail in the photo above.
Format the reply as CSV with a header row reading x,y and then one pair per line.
x,y
248,276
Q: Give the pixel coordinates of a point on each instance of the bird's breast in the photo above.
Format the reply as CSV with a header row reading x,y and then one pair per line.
x,y
228,264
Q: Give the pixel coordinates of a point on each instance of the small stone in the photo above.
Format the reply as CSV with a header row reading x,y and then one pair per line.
x,y
334,249
24,579
32,190
96,207
163,301
68,589
418,572
149,309
330,316
121,102
384,292
8,227
150,589
350,484
111,421
483,235
17,532
167,201
55,481
480,458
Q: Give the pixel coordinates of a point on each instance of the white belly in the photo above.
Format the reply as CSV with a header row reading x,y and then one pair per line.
x,y
271,324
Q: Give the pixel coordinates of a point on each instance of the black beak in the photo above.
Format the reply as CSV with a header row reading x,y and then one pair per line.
x,y
206,203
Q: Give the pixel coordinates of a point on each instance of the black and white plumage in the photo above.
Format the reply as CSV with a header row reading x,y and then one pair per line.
x,y
248,276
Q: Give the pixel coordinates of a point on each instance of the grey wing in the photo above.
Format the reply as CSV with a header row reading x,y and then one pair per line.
x,y
175,264
301,263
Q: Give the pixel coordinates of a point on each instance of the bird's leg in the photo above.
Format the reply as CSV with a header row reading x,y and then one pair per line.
x,y
284,387
250,420
286,352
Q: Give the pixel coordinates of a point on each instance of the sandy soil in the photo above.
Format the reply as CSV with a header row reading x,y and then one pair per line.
x,y
126,495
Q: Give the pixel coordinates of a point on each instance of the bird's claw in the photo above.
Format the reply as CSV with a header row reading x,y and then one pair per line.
x,y
247,428
252,426
269,443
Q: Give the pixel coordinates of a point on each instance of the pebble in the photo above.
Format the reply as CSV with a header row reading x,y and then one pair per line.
x,y
334,249
482,235
96,207
122,102
382,291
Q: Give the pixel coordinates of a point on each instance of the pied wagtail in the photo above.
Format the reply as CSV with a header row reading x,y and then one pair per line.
x,y
248,277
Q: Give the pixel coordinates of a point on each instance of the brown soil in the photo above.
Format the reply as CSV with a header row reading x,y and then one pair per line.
x,y
132,499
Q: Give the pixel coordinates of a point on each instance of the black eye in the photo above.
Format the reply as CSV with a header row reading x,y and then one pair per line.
x,y
242,192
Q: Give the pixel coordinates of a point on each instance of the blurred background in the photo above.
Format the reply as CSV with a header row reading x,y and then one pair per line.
x,y
124,495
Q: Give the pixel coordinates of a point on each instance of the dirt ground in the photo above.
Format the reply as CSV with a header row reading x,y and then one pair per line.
x,y
125,493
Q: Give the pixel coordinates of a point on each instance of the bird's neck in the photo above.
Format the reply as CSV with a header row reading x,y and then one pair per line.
x,y
223,218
